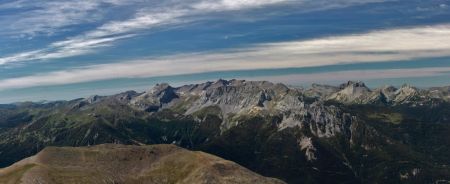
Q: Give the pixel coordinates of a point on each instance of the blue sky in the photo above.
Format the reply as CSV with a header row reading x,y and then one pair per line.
x,y
63,49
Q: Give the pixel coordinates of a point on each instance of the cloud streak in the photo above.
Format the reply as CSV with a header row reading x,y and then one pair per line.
x,y
47,17
378,46
53,16
63,49
74,76
68,13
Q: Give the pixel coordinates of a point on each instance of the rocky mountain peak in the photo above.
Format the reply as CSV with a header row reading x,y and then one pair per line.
x,y
218,83
407,90
354,88
440,93
351,92
384,94
354,84
154,99
160,88
126,96
222,82
406,94
93,99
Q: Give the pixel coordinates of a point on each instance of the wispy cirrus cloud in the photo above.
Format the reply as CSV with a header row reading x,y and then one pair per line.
x,y
63,49
52,16
34,18
222,5
377,46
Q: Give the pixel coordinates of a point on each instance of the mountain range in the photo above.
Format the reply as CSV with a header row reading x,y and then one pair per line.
x,y
322,134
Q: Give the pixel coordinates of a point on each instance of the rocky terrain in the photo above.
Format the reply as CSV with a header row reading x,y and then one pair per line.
x,y
112,163
324,134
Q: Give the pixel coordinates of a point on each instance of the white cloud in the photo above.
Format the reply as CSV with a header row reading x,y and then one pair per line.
x,y
148,18
214,5
142,70
47,17
63,49
20,56
54,15
140,21
379,46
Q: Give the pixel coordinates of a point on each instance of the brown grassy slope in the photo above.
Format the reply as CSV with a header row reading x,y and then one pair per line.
x,y
128,165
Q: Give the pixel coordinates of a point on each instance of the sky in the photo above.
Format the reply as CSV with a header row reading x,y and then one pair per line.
x,y
64,49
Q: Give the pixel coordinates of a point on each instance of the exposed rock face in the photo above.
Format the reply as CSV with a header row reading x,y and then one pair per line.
x,y
126,96
322,121
156,164
236,96
93,99
354,92
156,98
239,97
307,146
406,94
388,92
440,92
